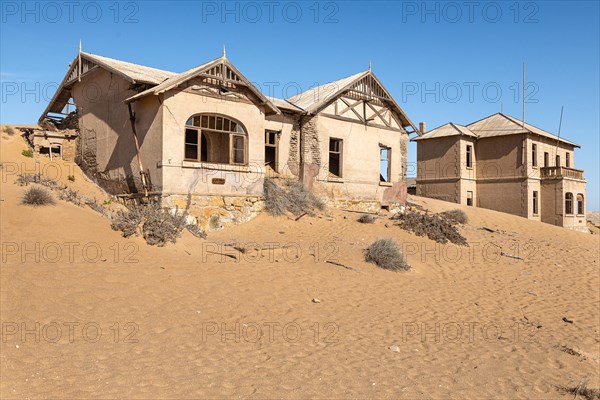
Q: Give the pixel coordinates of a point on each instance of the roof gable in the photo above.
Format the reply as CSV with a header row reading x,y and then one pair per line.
x,y
363,85
220,70
447,130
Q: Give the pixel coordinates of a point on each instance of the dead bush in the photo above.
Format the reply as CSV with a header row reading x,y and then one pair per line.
x,y
582,390
26,179
157,225
367,219
292,196
196,231
456,215
9,130
434,226
37,196
385,254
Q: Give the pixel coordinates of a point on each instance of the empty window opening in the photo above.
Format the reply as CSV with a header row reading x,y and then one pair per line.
x,y
384,164
215,139
580,207
569,203
335,157
535,202
469,198
557,160
568,160
271,143
546,159
469,156
534,155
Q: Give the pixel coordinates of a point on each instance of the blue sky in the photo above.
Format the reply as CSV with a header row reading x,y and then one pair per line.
x,y
442,61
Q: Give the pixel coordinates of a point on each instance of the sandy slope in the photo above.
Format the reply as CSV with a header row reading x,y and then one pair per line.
x,y
175,302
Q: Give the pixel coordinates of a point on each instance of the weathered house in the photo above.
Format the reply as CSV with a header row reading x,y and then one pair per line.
x,y
207,137
503,164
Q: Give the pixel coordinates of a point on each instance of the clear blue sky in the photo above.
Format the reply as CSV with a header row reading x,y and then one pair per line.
x,y
442,61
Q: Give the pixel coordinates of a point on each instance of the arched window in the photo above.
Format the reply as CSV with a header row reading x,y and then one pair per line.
x,y
216,139
569,203
580,206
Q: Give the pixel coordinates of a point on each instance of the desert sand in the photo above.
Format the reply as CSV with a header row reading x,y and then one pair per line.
x,y
117,318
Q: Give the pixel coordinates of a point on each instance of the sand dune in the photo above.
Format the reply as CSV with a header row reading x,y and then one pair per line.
x,y
185,321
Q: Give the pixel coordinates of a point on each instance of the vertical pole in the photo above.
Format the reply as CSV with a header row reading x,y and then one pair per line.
x,y
524,92
137,150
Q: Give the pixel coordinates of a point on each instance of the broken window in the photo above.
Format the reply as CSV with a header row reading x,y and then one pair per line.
x,y
469,198
215,139
335,157
534,155
469,156
568,160
271,139
546,159
580,207
385,170
569,203
535,202
557,160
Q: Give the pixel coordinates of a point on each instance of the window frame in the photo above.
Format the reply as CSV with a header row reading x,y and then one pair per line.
x,y
580,202
275,146
534,155
216,124
536,205
389,163
339,152
568,203
469,156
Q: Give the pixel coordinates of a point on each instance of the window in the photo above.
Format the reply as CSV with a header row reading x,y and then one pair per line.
x,y
215,139
568,160
335,157
569,203
469,198
271,141
535,202
534,155
557,160
546,159
580,207
384,164
469,156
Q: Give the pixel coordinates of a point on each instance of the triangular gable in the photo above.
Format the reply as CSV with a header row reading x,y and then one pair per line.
x,y
362,96
219,72
446,130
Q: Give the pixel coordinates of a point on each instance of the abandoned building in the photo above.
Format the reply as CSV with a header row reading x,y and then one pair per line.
x,y
503,164
205,139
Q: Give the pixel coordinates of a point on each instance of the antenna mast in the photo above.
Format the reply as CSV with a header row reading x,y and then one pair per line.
x,y
523,122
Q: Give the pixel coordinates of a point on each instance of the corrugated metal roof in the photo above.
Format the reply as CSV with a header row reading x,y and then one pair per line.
x,y
135,72
284,104
501,125
311,99
449,129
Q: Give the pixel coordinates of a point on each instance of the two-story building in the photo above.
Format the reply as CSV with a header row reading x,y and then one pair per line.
x,y
503,164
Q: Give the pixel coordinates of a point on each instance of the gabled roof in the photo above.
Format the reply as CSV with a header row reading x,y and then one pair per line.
x,y
449,129
220,69
315,99
132,72
285,105
502,125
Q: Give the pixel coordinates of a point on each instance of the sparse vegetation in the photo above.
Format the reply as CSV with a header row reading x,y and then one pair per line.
x,y
26,179
215,222
157,225
582,390
435,226
37,196
367,219
292,197
456,215
27,153
71,178
9,130
385,254
196,231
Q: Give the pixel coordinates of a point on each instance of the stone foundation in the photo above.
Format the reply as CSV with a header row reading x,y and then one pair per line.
x,y
215,212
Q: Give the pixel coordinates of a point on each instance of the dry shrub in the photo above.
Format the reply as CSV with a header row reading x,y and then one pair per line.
x,y
37,196
292,197
196,231
582,390
367,219
9,130
157,225
385,254
456,215
26,179
27,153
435,226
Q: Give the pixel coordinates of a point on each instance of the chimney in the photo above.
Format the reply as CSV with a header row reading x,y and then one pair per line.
x,y
422,127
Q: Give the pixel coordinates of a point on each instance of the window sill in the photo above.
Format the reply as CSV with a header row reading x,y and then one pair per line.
x,y
389,184
335,179
217,167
